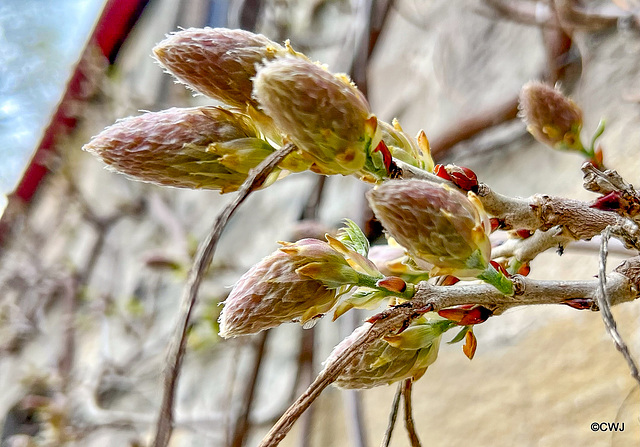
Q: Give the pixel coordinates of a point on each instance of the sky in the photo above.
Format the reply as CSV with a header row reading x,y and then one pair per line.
x,y
40,44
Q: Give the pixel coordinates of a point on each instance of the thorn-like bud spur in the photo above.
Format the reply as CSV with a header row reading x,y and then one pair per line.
x,y
324,114
551,117
217,62
394,358
436,224
200,147
298,282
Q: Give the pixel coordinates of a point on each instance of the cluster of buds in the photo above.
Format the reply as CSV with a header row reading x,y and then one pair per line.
x,y
393,358
273,95
299,282
437,225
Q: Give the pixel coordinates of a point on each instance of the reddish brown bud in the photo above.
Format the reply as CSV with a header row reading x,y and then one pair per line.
x,y
393,284
609,202
470,345
466,315
449,280
579,303
441,172
495,224
463,178
524,270
523,233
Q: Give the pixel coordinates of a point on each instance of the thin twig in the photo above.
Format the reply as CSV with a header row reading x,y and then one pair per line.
x,y
605,308
388,323
176,350
408,413
241,429
393,416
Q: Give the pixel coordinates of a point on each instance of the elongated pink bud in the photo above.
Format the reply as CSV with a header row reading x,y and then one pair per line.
x,y
217,62
551,117
323,114
199,147
436,224
299,282
395,358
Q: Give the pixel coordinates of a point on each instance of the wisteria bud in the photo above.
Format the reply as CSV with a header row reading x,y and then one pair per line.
x,y
323,114
200,147
395,358
551,117
436,224
405,148
217,62
298,282
392,260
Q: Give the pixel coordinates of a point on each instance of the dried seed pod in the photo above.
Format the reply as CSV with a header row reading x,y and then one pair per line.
x,y
296,283
551,117
323,114
217,62
199,147
436,224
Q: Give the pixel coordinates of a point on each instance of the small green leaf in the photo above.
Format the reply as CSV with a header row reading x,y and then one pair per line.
x,y
460,336
598,133
352,236
497,280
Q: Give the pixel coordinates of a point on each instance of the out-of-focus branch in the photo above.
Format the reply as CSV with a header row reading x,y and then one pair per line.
x,y
571,13
393,416
241,428
175,354
408,413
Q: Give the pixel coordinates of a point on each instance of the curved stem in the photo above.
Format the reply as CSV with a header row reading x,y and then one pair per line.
x,y
177,346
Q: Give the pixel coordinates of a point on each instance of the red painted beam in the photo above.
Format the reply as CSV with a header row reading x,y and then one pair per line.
x,y
112,29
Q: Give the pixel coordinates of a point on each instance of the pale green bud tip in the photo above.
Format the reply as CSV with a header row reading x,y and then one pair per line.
x,y
182,147
217,62
296,283
551,117
435,223
390,360
323,114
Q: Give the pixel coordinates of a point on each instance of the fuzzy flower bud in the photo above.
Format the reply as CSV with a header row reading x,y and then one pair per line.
x,y
436,224
217,62
323,114
395,358
551,117
298,282
200,147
